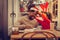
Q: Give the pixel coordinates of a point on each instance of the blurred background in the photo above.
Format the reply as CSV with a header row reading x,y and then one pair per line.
x,y
20,8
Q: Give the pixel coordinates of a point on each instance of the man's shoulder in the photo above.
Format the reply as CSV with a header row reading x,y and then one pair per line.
x,y
23,17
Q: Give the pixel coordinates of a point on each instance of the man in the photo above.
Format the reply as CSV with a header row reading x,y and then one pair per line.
x,y
27,21
42,19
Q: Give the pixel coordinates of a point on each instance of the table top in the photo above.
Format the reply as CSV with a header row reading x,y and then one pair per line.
x,y
57,33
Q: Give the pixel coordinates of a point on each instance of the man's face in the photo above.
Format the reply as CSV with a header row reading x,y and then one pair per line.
x,y
32,15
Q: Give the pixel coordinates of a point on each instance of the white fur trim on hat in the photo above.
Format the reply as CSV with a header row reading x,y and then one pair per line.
x,y
33,9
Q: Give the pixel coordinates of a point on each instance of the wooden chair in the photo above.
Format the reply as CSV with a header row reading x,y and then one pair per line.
x,y
53,37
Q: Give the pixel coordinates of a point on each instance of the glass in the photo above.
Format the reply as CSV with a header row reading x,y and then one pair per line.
x,y
15,30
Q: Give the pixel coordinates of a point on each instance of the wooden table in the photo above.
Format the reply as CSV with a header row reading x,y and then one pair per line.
x,y
18,36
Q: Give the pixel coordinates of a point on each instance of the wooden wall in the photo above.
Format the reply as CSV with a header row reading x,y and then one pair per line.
x,y
4,19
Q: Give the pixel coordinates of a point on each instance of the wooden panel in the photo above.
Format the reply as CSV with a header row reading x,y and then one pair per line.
x,y
1,27
5,19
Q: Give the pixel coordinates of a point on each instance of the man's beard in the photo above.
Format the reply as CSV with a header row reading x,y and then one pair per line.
x,y
31,18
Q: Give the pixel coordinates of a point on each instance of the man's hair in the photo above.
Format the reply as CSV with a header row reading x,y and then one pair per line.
x,y
32,11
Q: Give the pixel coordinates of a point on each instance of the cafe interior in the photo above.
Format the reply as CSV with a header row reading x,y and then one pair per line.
x,y
33,19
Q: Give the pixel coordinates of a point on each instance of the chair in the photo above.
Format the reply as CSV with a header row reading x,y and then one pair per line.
x,y
40,32
47,38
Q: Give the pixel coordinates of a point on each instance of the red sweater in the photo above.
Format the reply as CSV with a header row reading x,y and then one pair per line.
x,y
45,23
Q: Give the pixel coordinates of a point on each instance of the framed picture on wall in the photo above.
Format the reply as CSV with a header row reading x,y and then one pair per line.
x,y
25,5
